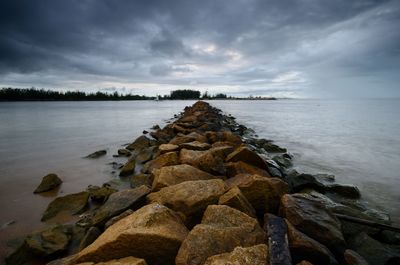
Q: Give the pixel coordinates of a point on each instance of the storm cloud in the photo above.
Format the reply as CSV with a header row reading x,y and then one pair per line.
x,y
287,48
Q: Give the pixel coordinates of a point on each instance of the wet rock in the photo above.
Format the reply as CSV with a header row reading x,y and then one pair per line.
x,y
141,179
299,182
373,251
276,229
209,161
255,255
167,159
222,229
156,127
235,199
140,143
53,240
165,148
171,175
97,154
124,152
313,218
145,154
349,191
153,233
72,203
245,155
189,197
119,202
123,261
353,258
302,247
235,168
128,168
91,235
283,161
276,173
195,145
100,194
263,193
48,182
273,148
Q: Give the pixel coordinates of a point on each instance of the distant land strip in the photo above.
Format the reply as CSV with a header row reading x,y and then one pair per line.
x,y
34,94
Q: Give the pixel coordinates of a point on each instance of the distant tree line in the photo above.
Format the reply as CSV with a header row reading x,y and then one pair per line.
x,y
32,94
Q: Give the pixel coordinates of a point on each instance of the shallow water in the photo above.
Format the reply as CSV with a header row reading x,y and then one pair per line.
x,y
358,141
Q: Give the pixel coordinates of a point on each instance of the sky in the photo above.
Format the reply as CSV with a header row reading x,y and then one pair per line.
x,y
285,48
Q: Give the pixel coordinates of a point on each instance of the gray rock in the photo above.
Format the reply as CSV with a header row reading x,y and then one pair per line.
x,y
124,152
141,179
97,154
283,161
73,203
49,182
100,194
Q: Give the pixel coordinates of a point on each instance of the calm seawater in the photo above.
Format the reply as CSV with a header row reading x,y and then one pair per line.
x,y
357,140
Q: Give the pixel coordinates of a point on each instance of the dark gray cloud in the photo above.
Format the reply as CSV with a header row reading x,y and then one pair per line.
x,y
283,48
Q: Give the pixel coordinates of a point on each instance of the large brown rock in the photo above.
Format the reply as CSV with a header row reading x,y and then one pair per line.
x,y
48,182
189,197
193,136
195,145
255,255
165,148
140,143
240,167
302,247
72,203
118,202
234,198
312,217
246,155
209,161
171,175
263,193
167,159
128,168
222,229
153,233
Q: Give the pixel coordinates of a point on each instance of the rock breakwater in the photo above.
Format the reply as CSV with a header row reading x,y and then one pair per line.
x,y
206,190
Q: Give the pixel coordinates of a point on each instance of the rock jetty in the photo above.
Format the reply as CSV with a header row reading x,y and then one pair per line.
x,y
206,190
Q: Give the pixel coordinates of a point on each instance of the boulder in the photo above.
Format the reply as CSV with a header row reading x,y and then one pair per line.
x,y
246,155
128,168
222,229
191,137
263,193
235,199
349,191
353,258
171,175
100,194
97,154
165,148
72,203
140,143
302,247
240,167
119,202
117,218
53,240
145,154
189,197
123,261
48,182
255,255
312,217
273,148
153,233
195,145
276,229
141,179
167,159
283,161
373,251
209,161
124,152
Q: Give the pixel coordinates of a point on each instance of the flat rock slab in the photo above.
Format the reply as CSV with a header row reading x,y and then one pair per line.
x,y
165,148
310,216
48,182
153,233
97,154
118,202
72,203
222,229
195,145
171,175
189,197
255,255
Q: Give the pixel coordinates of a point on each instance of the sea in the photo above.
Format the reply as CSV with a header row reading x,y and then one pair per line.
x,y
358,141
